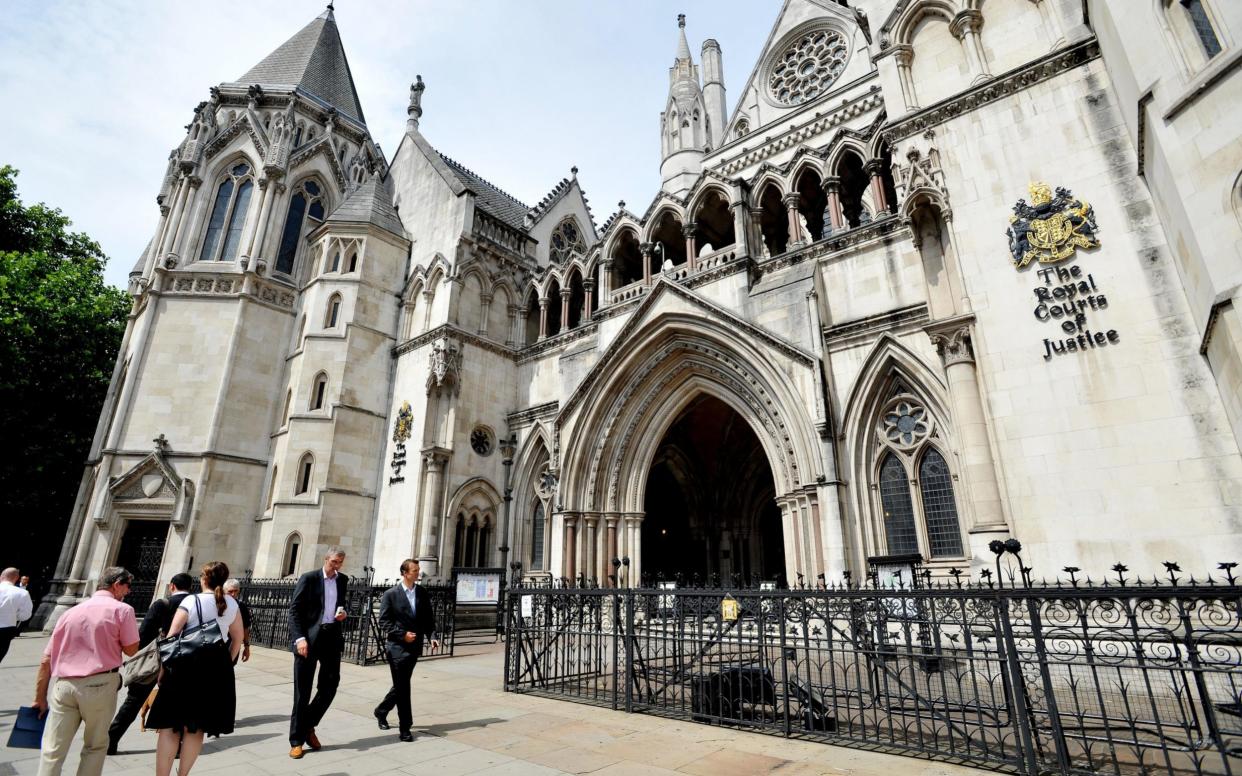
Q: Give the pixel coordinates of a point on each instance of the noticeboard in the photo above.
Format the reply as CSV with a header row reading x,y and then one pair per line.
x,y
477,586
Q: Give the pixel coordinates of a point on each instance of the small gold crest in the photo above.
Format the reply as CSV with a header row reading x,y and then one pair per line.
x,y
1051,228
405,419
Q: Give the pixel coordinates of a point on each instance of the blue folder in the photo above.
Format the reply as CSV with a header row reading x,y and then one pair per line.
x,y
27,732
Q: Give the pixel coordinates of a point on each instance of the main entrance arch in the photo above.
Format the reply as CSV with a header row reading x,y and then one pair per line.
x,y
710,510
671,365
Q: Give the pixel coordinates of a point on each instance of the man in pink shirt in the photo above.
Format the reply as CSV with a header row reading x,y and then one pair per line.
x,y
85,651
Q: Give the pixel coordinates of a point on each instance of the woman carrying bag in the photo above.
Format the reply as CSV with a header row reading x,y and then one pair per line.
x,y
197,695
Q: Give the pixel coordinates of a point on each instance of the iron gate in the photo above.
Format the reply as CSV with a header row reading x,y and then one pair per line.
x,y
1123,677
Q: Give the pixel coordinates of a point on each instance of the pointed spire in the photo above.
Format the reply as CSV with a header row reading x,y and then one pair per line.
x,y
369,203
313,61
683,47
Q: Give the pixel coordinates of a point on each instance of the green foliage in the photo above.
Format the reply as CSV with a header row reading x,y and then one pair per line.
x,y
60,327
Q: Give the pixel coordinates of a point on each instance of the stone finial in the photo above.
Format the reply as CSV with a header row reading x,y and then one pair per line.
x,y
574,171
681,20
415,110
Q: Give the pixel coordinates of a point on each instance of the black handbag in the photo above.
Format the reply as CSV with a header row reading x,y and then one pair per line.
x,y
203,642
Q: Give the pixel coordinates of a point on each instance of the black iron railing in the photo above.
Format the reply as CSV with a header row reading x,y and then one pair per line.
x,y
269,601
1123,676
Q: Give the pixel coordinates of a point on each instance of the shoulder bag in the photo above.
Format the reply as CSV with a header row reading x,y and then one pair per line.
x,y
192,646
143,666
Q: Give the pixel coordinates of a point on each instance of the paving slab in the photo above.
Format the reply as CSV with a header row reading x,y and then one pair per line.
x,y
464,724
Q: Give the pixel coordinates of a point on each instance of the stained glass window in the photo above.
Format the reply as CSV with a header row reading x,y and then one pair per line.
x,y
899,529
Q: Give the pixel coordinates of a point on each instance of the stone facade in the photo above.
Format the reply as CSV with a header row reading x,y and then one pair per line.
x,y
423,360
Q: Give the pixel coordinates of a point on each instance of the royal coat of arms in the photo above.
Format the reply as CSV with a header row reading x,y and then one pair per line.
x,y
1051,228
405,419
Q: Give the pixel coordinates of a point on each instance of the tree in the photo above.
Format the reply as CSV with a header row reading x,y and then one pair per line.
x,y
60,328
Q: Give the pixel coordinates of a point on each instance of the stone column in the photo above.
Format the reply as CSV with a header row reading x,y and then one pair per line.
x,y
756,225
587,304
952,339
434,459
174,217
965,27
741,236
450,542
605,282
588,554
646,248
178,246
791,201
571,546
904,54
565,292
523,317
511,337
484,312
610,522
428,297
688,231
874,168
543,317
832,186
252,230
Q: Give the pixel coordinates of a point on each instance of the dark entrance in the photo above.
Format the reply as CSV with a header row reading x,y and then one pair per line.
x,y
711,502
141,551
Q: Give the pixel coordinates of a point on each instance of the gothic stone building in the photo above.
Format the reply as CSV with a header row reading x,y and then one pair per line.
x,y
942,272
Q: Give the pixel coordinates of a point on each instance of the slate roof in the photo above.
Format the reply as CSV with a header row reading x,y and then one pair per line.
x,y
370,203
314,61
488,198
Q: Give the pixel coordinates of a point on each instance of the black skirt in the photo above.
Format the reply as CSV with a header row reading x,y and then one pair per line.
x,y
198,698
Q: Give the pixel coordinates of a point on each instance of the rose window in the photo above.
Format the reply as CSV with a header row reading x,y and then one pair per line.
x,y
566,241
808,67
905,423
481,440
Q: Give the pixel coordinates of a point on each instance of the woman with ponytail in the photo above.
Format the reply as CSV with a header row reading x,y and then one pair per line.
x,y
202,699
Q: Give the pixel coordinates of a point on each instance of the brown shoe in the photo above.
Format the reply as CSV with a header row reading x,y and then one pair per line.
x,y
312,741
296,752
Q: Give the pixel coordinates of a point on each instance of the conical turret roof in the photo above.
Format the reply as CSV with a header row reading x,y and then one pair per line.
x,y
313,61
370,203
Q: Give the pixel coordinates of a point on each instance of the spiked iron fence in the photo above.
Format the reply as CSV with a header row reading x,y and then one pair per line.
x,y
1123,676
269,601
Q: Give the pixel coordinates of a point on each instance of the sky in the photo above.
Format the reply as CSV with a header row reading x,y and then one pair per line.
x,y
97,93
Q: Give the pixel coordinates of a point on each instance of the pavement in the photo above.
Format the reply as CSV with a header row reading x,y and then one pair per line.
x,y
464,724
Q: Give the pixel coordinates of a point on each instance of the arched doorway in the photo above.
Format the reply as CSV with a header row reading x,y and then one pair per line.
x,y
710,501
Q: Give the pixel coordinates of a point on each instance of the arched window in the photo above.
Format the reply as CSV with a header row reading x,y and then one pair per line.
x,y
1201,23
228,215
353,262
289,566
566,241
319,390
333,313
536,537
271,488
922,519
284,414
336,262
459,542
306,201
306,467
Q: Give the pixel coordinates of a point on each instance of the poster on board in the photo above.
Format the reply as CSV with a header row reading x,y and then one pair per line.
x,y
478,586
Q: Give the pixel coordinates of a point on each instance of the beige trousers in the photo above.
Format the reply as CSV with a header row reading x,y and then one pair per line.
x,y
90,700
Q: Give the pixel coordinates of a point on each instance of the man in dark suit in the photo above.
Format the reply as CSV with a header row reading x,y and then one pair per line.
x,y
316,615
154,625
408,621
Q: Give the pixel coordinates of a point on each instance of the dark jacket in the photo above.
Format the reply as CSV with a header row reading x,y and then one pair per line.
x,y
306,608
396,618
159,618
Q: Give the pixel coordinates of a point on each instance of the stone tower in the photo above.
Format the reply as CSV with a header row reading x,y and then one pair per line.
x,y
684,133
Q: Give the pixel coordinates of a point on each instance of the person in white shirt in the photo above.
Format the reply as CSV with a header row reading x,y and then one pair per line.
x,y
15,608
201,699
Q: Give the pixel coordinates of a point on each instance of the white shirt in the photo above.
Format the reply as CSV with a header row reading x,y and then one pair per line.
x,y
208,602
329,599
15,605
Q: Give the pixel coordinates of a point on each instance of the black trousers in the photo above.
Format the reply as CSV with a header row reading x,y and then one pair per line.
x,y
399,694
6,635
135,696
324,654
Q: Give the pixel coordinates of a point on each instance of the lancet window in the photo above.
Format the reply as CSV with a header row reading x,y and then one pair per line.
x,y
306,202
228,215
913,482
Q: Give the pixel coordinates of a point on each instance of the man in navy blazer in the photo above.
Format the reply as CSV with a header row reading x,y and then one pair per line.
x,y
316,615
408,622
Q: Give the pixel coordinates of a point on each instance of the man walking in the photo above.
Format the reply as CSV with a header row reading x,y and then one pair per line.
x,y
15,608
316,615
83,657
154,625
408,622
232,588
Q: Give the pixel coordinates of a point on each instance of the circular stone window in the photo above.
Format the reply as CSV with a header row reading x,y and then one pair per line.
x,y
807,67
482,441
905,423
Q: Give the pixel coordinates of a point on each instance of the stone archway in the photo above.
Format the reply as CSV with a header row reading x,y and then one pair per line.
x,y
710,501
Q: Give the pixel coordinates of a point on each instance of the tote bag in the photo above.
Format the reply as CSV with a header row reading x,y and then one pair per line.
x,y
143,667
192,646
